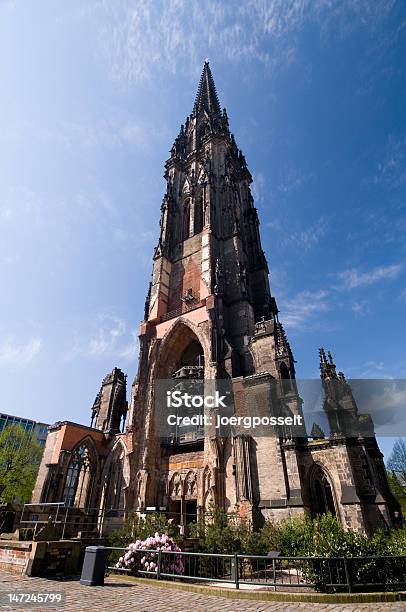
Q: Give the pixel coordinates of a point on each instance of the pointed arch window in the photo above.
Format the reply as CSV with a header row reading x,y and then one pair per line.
x,y
79,478
198,216
186,220
322,496
114,483
285,377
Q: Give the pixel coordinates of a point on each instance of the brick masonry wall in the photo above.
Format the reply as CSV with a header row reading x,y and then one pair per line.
x,y
14,556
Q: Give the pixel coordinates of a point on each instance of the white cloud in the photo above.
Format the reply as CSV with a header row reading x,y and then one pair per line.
x,y
143,37
103,134
353,278
108,336
305,238
258,187
360,308
377,369
303,307
291,178
391,169
12,353
312,235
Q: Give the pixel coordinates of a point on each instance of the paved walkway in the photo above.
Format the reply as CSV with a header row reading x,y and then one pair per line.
x,y
119,595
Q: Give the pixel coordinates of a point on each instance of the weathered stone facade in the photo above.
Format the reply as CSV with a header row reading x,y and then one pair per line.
x,y
210,313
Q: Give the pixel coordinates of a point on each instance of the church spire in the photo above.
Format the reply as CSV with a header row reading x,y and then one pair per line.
x,y
206,97
327,366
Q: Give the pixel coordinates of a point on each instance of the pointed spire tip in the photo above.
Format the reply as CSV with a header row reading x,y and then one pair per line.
x,y
206,97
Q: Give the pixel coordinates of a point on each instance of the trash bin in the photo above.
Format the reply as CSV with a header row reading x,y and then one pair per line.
x,y
94,566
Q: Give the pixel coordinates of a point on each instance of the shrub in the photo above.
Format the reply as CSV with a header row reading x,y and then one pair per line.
x,y
295,536
133,560
219,533
382,571
324,536
263,541
397,542
329,539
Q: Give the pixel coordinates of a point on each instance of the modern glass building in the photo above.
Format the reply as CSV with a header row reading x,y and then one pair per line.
x,y
40,430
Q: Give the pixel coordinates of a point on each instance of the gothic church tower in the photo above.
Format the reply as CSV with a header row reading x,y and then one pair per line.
x,y
209,315
209,307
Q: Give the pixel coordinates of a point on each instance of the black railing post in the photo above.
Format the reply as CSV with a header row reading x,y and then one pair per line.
x,y
94,566
347,574
158,574
234,571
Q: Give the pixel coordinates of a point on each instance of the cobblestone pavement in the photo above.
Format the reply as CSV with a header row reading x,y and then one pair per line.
x,y
120,595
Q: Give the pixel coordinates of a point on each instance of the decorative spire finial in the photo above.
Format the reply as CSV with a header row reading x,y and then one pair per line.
x,y
322,354
327,366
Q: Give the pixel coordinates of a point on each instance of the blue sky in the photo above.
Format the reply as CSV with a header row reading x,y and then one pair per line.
x,y
93,94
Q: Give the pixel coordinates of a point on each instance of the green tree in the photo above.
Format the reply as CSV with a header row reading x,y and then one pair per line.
x,y
398,490
20,456
397,460
397,472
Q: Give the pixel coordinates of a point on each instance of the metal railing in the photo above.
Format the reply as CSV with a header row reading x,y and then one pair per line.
x,y
185,307
70,520
329,574
294,572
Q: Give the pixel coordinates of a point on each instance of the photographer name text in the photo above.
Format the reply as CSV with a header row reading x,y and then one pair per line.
x,y
246,422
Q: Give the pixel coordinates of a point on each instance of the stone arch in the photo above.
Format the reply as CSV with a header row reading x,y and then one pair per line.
x,y
190,485
323,497
175,342
81,475
175,486
163,358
